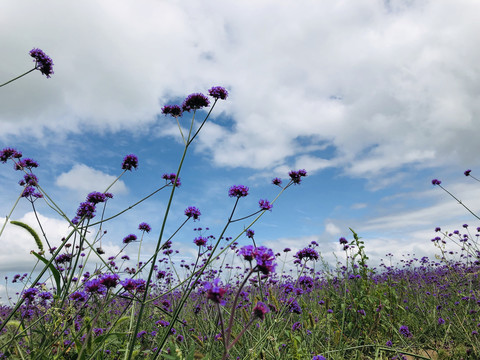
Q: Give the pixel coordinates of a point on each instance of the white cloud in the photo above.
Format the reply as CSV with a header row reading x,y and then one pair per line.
x,y
84,179
384,84
332,229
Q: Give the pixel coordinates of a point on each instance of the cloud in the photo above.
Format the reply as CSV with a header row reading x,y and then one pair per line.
x,y
84,179
383,84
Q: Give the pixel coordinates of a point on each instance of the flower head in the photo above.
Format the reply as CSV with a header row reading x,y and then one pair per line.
x,y
173,110
144,227
129,162
296,176
250,233
109,280
260,310
95,286
319,357
277,181
195,101
26,164
171,178
405,331
265,204
247,252
192,211
467,172
218,92
307,254
215,291
436,182
129,238
98,197
264,258
200,241
9,153
42,62
238,191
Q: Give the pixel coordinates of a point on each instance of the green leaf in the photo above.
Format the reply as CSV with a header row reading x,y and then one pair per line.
x,y
55,272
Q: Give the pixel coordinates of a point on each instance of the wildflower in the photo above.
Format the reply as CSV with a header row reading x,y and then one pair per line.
x,y
215,291
265,205
265,258
389,343
247,252
200,241
195,101
129,238
9,153
171,177
144,227
277,181
45,295
141,334
98,197
26,164
319,357
95,286
173,110
192,211
260,310
287,250
109,280
467,172
129,162
238,191
86,210
296,326
42,62
63,258
307,254
343,241
29,179
441,321
29,191
293,306
218,92
78,296
405,331
30,294
436,182
296,176
250,233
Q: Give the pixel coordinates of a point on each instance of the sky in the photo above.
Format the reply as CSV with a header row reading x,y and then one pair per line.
x,y
373,98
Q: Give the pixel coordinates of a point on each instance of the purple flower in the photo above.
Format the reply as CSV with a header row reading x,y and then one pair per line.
x,y
173,110
441,321
195,101
250,233
95,286
86,210
192,211
307,254
129,162
29,179
218,92
467,172
287,250
343,241
200,241
260,310
319,357
296,326
109,280
238,191
247,252
436,182
296,176
277,181
265,204
29,294
63,258
30,191
78,296
144,227
42,62
405,331
26,164
215,291
171,177
9,153
129,238
265,258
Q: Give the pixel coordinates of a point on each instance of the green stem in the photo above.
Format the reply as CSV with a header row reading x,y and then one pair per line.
x,y
18,77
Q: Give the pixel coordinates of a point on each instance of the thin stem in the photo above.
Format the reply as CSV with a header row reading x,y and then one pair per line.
x,y
18,77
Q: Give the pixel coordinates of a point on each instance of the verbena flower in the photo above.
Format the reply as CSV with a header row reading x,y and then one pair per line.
x,y
173,110
26,164
247,252
265,204
319,357
296,176
171,177
238,191
264,258
215,291
436,182
200,241
95,287
260,310
195,101
30,294
218,92
42,62
144,227
129,162
192,211
78,296
86,210
296,326
405,331
293,306
307,254
9,153
30,191
250,233
129,238
277,181
109,280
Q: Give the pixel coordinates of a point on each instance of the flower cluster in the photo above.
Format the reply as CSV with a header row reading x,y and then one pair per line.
x,y
307,254
260,310
262,255
129,162
296,176
9,153
42,62
195,101
129,238
144,227
171,178
192,211
265,204
218,92
215,291
238,191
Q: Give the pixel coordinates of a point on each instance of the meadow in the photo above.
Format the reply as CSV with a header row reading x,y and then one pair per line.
x,y
237,299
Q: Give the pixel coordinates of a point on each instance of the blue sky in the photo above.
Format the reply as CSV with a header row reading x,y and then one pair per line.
x,y
373,98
